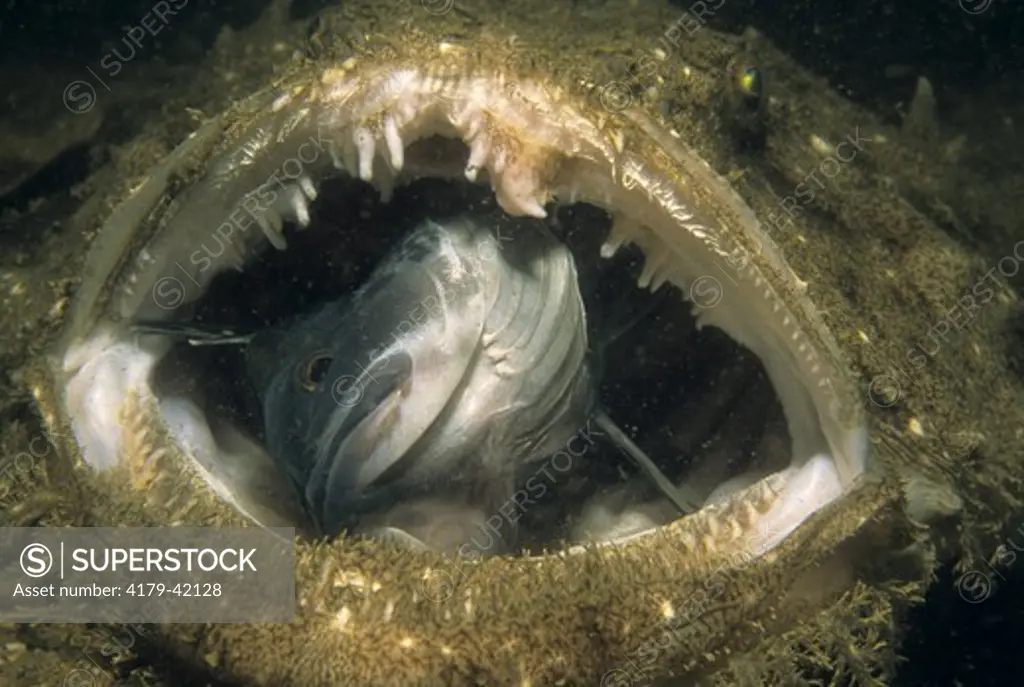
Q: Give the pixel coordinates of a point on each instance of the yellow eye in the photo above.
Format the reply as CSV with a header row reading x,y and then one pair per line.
x,y
748,78
313,371
749,81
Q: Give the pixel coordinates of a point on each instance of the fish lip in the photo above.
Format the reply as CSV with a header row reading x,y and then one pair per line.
x,y
627,161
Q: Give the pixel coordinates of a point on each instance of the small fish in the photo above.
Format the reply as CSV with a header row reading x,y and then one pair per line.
x,y
746,79
458,360
744,105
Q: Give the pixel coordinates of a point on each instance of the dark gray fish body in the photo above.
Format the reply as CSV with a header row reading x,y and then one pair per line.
x,y
458,360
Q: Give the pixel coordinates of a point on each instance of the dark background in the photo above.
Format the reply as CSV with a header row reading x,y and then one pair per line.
x,y
850,41
872,51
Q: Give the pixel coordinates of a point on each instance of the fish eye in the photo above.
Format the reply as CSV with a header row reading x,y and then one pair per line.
x,y
314,370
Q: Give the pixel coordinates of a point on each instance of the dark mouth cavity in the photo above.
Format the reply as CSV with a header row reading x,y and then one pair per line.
x,y
695,401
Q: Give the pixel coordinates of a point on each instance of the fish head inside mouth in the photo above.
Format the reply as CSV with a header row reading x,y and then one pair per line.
x,y
198,238
450,365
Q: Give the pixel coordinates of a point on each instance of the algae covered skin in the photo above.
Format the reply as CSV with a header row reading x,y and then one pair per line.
x,y
618,112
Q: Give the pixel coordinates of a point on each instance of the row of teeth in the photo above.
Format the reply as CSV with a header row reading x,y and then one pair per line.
x,y
357,155
658,265
294,205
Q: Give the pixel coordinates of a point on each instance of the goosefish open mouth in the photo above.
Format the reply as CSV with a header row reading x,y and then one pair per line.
x,y
731,382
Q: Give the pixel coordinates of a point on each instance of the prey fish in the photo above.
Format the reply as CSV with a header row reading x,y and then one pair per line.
x,y
458,360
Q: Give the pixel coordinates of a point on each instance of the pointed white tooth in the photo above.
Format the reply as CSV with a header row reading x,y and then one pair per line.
x,y
531,207
622,231
645,276
345,159
660,277
536,209
365,146
274,220
517,196
301,208
478,150
271,224
654,267
307,186
475,125
394,142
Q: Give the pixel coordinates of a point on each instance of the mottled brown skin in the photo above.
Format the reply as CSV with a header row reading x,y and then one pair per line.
x,y
875,264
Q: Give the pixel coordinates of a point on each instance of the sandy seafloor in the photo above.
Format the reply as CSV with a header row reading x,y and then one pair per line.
x,y
213,53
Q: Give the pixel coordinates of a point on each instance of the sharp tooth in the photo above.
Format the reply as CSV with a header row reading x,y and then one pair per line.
x,y
474,127
623,230
271,224
301,208
306,184
657,269
346,159
394,142
660,277
365,146
530,207
517,194
478,149
650,267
